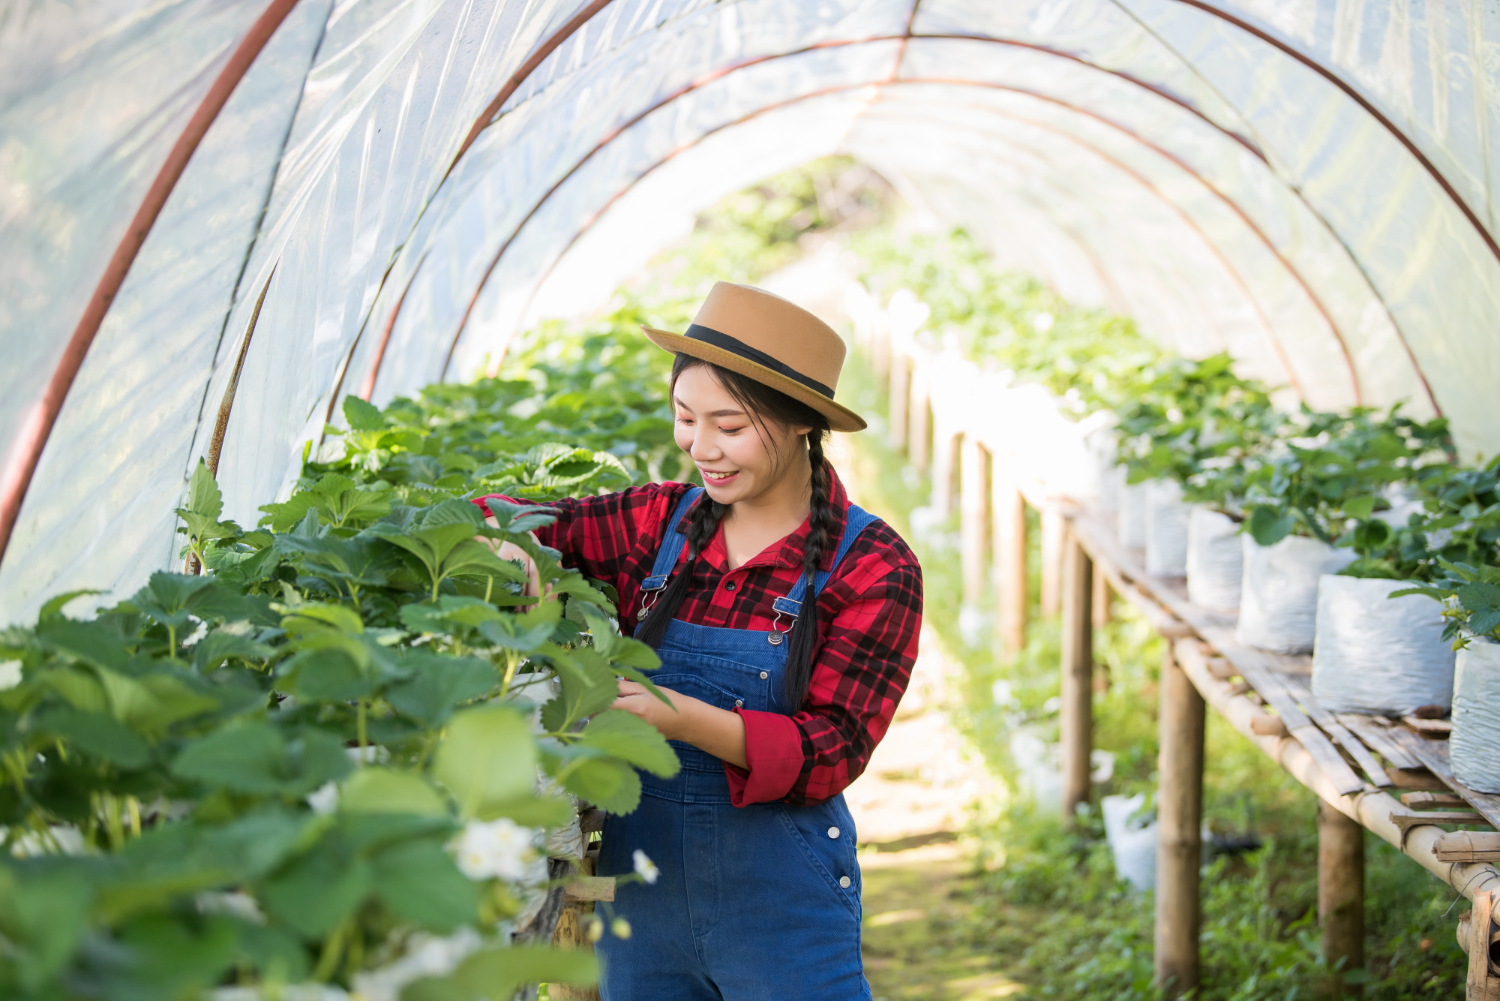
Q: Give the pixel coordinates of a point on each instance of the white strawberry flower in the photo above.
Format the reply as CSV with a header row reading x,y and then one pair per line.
x,y
644,867
489,849
324,799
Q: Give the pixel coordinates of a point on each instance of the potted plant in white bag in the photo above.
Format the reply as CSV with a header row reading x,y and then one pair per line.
x,y
1341,475
1187,437
1467,517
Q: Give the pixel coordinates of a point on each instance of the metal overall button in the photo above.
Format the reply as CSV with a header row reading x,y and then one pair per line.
x,y
844,882
764,675
833,832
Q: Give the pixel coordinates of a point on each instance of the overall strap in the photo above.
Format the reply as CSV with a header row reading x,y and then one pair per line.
x,y
857,520
671,544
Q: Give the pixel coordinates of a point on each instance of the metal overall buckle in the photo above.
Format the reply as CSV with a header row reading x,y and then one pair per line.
x,y
652,588
782,606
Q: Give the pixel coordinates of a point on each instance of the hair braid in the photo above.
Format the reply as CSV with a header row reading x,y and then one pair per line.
x,y
703,522
804,633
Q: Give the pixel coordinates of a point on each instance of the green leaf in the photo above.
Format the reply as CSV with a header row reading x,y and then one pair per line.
x,y
96,734
1479,596
605,782
495,975
362,416
204,496
488,758
630,738
54,606
422,884
385,790
255,758
1267,528
1359,507
317,891
438,683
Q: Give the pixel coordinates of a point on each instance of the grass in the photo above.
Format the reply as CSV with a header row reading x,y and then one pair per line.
x,y
1045,906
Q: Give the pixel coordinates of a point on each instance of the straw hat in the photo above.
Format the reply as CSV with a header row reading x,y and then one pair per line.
x,y
766,338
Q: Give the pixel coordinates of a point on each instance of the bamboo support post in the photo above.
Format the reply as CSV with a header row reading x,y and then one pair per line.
x,y
1341,892
1054,527
945,445
1101,601
572,933
1009,510
1479,935
1077,675
1179,816
974,508
898,396
919,419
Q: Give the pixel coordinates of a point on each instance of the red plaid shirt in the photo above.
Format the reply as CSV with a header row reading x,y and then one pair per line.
x,y
870,613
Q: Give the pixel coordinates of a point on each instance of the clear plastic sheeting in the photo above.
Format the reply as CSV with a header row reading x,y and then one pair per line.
x,y
1306,185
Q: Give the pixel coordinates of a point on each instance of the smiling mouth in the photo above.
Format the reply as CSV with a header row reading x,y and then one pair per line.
x,y
709,477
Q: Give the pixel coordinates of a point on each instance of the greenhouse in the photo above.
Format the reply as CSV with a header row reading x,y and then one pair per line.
x,y
1172,322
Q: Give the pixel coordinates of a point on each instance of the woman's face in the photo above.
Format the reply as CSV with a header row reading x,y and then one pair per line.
x,y
736,462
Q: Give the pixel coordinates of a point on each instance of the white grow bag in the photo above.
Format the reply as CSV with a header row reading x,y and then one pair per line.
x,y
1215,560
1378,654
1474,746
1166,529
1279,591
1132,514
1132,840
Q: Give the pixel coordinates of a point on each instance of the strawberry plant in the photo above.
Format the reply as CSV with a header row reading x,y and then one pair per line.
x,y
335,756
1000,319
1345,479
1197,422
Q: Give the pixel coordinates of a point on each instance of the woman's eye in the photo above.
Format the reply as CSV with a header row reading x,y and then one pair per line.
x,y
731,430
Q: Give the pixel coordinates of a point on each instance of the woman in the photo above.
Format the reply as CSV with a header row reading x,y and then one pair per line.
x,y
786,620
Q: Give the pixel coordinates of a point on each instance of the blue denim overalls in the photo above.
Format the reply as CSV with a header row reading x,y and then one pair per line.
x,y
754,902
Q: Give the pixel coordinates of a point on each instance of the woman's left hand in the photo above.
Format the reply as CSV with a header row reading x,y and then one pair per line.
x,y
692,721
637,700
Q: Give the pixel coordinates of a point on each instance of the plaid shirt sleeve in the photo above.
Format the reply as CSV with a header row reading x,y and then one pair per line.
x,y
862,668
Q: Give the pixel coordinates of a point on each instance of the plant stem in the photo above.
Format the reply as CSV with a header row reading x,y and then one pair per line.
x,y
134,806
512,661
171,640
360,725
333,948
489,586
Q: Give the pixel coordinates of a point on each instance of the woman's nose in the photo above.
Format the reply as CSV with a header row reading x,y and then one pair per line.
x,y
705,448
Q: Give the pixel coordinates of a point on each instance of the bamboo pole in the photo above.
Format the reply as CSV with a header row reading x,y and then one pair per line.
x,y
1054,527
919,418
898,396
974,509
1179,814
1341,892
1009,509
1101,601
1077,675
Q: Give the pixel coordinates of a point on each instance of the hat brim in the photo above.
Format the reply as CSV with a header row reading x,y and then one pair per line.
x,y
840,418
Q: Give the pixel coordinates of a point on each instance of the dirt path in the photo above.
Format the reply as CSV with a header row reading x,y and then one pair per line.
x,y
911,807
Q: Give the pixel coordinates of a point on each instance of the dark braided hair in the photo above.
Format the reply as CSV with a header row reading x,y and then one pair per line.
x,y
763,404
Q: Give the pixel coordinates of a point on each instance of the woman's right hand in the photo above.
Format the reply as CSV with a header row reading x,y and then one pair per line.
x,y
510,551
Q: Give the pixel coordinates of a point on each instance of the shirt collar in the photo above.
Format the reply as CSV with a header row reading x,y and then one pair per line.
x,y
789,551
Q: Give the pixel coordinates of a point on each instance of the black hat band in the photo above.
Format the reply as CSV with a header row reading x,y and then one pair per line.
x,y
735,346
